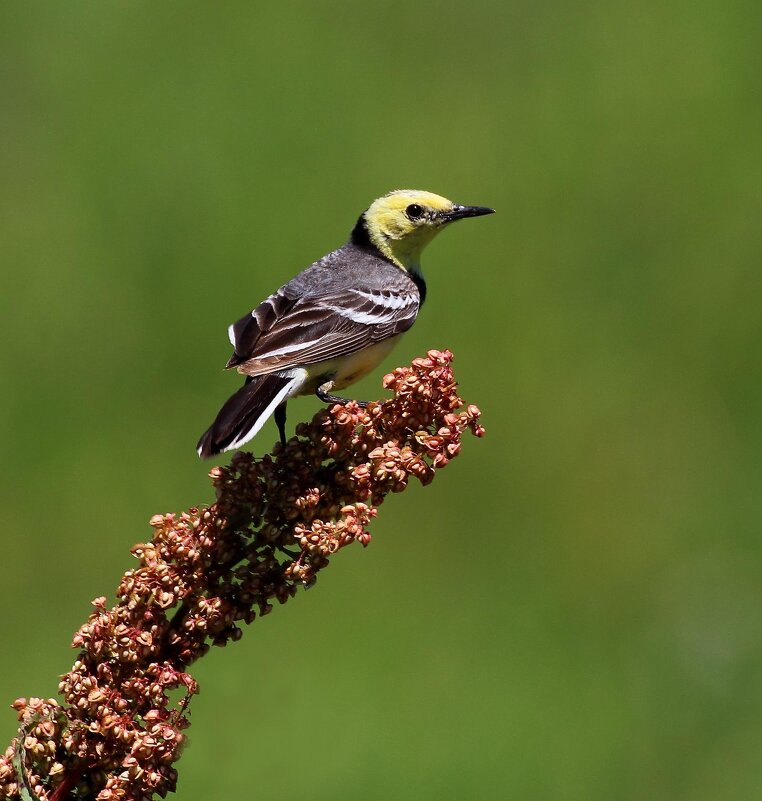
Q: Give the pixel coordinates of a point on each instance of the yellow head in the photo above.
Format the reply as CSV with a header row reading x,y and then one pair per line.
x,y
403,222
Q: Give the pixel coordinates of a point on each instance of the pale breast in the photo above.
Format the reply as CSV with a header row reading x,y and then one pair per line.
x,y
350,368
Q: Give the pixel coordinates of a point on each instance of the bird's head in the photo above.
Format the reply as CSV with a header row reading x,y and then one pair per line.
x,y
403,222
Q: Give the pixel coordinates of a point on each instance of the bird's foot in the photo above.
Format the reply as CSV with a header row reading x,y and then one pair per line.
x,y
325,396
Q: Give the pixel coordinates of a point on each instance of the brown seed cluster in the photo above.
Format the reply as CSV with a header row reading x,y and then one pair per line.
x,y
117,733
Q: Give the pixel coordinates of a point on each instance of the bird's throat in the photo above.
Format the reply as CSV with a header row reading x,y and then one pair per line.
x,y
405,251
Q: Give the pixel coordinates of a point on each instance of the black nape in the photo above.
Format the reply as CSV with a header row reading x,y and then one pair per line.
x,y
360,235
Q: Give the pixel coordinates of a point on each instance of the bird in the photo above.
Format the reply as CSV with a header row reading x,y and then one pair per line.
x,y
336,320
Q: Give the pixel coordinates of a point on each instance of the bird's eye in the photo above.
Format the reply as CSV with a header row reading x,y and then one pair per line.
x,y
414,211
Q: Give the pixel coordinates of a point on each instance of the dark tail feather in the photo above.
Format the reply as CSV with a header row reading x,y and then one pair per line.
x,y
245,413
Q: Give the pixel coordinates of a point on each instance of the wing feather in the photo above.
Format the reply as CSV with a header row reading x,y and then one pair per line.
x,y
282,333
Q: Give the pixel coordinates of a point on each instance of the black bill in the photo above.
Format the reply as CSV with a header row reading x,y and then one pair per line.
x,y
460,212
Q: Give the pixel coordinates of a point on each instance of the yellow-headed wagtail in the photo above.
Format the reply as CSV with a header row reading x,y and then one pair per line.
x,y
336,320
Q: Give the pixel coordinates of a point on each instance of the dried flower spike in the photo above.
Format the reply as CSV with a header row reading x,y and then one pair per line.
x,y
275,525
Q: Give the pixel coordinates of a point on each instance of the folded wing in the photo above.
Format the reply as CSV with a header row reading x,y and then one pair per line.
x,y
284,332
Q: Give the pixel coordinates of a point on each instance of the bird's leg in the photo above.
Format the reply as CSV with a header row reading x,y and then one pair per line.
x,y
326,397
280,420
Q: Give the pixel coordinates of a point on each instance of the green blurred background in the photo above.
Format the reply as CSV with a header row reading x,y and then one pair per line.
x,y
573,611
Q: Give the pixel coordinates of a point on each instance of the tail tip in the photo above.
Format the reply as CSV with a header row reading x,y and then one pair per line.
x,y
205,448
